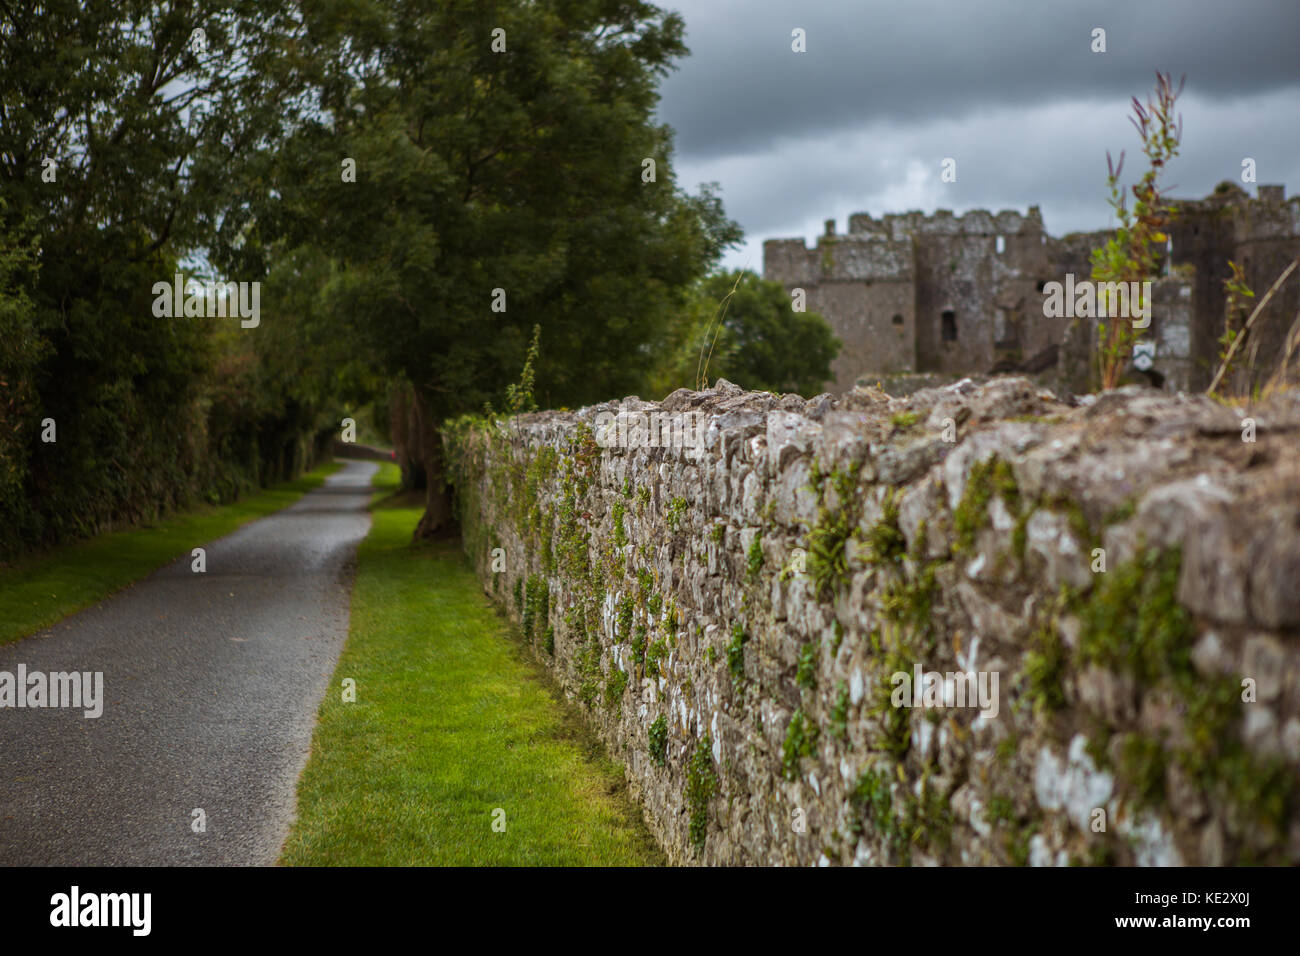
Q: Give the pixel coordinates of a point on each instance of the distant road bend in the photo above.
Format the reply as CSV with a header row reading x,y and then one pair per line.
x,y
211,686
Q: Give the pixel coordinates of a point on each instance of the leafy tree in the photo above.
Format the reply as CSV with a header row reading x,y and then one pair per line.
x,y
740,327
128,133
500,184
20,354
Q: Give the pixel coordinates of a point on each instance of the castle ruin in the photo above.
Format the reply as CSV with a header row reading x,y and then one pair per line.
x,y
958,295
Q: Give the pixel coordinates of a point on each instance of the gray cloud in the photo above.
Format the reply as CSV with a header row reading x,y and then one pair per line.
x,y
929,59
1012,91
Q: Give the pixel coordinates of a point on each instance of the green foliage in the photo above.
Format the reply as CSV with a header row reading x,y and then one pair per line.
x,y
676,508
740,327
615,685
1237,293
840,713
620,533
645,585
656,652
806,671
1134,622
21,351
480,172
754,559
924,820
871,797
885,541
1132,254
155,150
902,421
828,563
736,655
519,398
658,734
895,738
639,644
701,787
625,610
800,741
986,478
1045,667
589,672
1142,763
909,602
1020,534
536,609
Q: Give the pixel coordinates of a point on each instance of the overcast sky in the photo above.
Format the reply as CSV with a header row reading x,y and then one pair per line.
x,y
1010,89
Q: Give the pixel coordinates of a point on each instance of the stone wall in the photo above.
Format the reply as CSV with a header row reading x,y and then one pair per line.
x,y
1119,578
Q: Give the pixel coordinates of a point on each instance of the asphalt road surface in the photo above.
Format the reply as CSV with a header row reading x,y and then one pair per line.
x,y
211,683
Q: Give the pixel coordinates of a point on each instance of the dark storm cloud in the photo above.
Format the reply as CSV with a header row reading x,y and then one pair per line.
x,y
1012,91
922,60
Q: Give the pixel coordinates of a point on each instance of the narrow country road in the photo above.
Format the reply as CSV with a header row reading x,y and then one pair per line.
x,y
211,686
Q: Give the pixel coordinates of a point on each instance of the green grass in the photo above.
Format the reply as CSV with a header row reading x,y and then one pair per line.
x,y
451,721
44,589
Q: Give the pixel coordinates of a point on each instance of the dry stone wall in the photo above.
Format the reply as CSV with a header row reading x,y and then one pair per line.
x,y
975,625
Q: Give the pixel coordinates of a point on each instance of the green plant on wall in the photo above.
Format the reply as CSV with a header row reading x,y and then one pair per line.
x,y
676,509
800,741
755,558
736,656
828,563
885,541
658,734
701,787
806,671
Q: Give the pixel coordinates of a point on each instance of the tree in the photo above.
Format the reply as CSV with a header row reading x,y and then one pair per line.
x,y
128,130
508,173
20,354
740,327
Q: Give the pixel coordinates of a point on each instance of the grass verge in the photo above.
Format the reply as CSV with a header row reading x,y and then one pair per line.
x,y
453,728
43,590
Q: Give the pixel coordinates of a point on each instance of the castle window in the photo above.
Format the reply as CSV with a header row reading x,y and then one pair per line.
x,y
1001,244
898,320
950,326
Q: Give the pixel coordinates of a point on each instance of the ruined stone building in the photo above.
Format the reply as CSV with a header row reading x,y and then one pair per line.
x,y
959,295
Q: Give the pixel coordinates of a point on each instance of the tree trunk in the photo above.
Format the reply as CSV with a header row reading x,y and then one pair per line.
x,y
406,436
438,520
